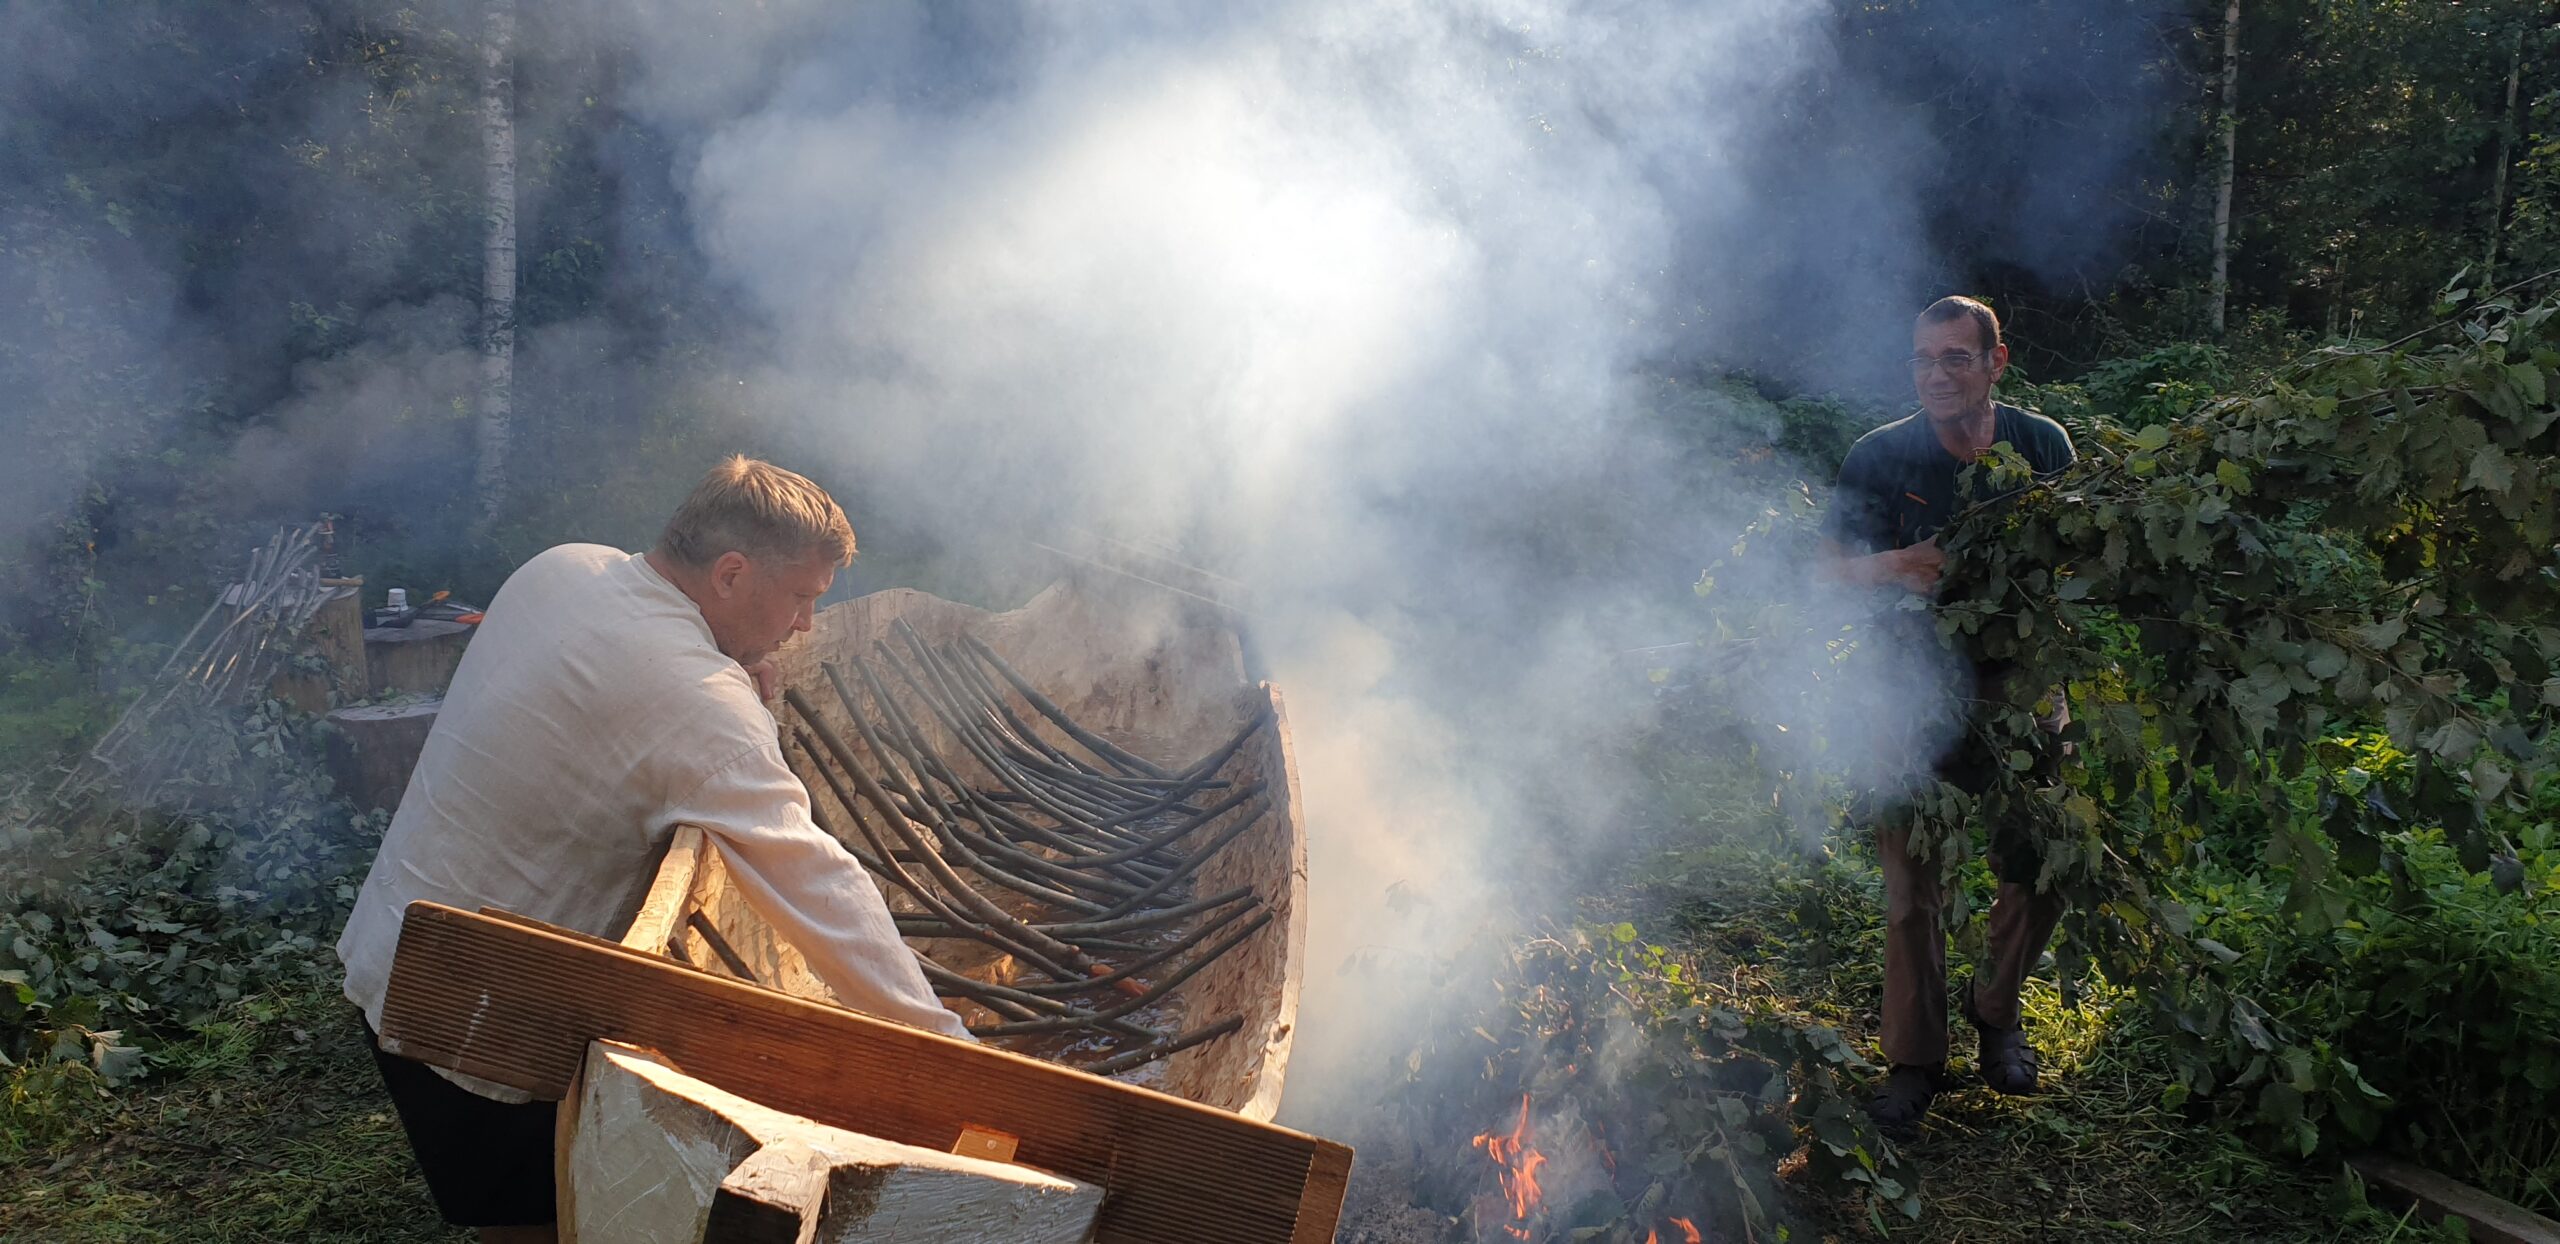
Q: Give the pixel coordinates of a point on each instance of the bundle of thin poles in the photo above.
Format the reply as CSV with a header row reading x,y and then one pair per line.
x,y
1100,850
242,640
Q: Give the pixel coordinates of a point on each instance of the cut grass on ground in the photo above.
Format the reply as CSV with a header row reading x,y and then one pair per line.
x,y
271,1126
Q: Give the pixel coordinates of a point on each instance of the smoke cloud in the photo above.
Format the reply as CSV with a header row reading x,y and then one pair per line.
x,y
1352,301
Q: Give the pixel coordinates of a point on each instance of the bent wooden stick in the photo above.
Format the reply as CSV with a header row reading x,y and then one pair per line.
x,y
516,1003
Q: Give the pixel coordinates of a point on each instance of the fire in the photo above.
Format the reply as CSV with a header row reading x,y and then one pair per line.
x,y
1519,1174
1688,1231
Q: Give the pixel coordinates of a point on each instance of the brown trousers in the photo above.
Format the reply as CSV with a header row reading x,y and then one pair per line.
x,y
1915,952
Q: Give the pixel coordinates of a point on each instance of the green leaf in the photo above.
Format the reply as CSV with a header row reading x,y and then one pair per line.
x,y
2490,470
2154,437
2232,475
2529,378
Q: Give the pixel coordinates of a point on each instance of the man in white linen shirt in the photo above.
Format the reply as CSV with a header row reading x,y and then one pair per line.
x,y
608,698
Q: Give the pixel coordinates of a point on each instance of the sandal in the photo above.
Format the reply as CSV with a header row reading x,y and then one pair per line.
x,y
1904,1100
2009,1064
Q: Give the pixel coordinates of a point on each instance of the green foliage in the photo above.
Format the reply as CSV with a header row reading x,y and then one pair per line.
x,y
2157,386
121,931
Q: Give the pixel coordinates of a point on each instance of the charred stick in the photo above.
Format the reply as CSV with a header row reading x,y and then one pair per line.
x,y
1145,998
1145,1054
1079,930
1198,777
916,752
1091,934
1091,742
983,702
1030,736
1003,822
927,926
992,924
719,945
1086,805
1161,842
1000,998
1253,816
1189,940
924,807
995,918
869,859
951,923
1058,809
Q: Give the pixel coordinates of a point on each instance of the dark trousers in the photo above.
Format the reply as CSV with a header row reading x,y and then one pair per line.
x,y
488,1163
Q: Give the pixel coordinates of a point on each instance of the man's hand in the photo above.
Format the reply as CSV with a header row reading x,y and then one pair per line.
x,y
768,679
1913,569
1918,567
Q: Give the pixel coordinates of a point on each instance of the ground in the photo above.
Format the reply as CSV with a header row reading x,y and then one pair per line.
x,y
272,1127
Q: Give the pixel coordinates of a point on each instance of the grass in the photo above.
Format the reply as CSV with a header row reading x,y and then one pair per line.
x,y
2097,1156
269,1125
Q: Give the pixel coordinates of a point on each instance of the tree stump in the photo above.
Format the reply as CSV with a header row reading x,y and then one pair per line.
x,y
419,657
376,747
649,1155
336,635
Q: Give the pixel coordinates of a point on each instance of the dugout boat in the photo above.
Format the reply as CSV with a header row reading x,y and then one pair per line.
x,y
1082,812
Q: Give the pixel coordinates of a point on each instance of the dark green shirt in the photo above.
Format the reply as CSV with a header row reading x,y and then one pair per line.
x,y
1898,485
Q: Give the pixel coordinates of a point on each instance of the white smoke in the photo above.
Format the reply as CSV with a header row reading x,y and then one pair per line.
x,y
1341,294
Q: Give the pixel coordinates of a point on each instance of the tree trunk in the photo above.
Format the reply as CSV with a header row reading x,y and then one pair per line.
x,y
2230,164
2506,154
498,260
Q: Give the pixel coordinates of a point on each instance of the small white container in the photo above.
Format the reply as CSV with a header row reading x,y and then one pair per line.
x,y
399,598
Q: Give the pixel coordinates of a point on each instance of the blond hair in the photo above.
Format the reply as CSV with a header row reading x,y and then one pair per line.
x,y
758,509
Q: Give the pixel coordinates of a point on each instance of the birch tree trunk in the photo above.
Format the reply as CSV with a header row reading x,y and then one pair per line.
x,y
2506,155
2230,164
498,261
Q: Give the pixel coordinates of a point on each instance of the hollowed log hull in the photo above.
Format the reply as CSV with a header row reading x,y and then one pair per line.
x,y
1164,680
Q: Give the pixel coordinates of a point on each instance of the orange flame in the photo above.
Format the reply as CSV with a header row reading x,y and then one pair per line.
x,y
1688,1231
1519,1174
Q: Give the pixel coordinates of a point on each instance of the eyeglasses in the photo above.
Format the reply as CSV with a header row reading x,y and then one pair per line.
x,y
1953,360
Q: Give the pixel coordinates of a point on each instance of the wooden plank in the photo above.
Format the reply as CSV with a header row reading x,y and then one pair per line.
x,y
664,909
2491,1220
517,1005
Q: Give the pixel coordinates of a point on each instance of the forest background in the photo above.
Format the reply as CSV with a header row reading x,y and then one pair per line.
x,y
245,280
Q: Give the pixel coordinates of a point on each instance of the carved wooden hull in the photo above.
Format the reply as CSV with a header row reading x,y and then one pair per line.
x,y
1163,679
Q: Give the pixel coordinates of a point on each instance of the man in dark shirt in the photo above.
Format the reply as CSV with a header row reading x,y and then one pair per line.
x,y
1899,487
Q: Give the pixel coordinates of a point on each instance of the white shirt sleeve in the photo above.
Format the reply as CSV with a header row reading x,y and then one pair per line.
x,y
813,893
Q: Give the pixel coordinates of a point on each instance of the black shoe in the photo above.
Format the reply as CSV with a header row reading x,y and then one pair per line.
x,y
1903,1101
2009,1064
